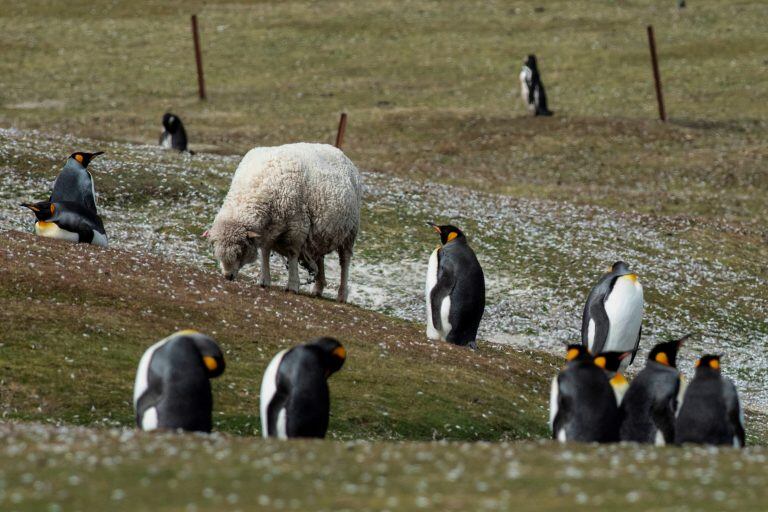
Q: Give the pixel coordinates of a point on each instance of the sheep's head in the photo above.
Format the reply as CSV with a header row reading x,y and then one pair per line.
x,y
234,246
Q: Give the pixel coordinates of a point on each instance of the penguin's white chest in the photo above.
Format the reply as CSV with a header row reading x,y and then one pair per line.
x,y
432,332
268,391
51,230
554,394
525,79
167,141
624,308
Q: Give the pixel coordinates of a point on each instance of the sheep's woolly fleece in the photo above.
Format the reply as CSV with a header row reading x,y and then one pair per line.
x,y
312,192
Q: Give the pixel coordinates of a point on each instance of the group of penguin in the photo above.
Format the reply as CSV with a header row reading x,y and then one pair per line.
x,y
172,390
590,399
70,213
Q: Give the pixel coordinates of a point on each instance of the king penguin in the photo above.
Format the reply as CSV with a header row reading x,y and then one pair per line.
x,y
172,389
611,363
650,404
295,401
173,136
582,403
710,412
68,221
613,313
455,291
75,183
532,89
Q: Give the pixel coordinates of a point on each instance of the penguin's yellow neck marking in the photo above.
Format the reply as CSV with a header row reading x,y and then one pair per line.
x,y
187,332
631,277
619,380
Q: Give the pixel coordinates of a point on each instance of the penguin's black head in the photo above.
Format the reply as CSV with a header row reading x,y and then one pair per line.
x,y
333,354
577,352
709,361
448,233
210,353
171,122
619,268
531,61
85,158
43,210
666,353
610,361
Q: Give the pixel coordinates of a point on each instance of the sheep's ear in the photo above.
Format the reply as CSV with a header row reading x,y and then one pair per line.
x,y
207,234
251,234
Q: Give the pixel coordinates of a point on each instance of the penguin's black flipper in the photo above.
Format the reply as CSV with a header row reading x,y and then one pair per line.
x,y
731,397
602,325
637,345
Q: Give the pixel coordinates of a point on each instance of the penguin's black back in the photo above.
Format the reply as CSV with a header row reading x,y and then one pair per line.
x,y
649,404
302,390
586,404
179,388
459,262
705,416
74,185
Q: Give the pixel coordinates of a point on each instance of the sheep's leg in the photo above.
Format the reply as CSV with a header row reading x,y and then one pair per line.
x,y
345,256
319,277
265,279
293,273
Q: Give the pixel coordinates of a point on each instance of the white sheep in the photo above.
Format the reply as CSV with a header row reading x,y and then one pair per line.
x,y
301,200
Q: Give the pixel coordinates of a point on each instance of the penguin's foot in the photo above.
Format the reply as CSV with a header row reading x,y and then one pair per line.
x,y
473,345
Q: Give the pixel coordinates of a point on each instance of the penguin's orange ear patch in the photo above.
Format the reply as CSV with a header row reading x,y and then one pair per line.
x,y
210,363
452,235
52,208
572,354
662,358
340,352
714,364
79,157
601,362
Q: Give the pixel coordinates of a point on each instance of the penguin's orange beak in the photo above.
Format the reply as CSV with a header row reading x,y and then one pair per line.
x,y
434,226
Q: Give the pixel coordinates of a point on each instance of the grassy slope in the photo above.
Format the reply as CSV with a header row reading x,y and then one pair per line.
x,y
76,319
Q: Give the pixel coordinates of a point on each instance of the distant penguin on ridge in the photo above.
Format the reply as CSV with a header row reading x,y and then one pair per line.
x,y
68,221
613,314
75,183
582,403
172,388
295,400
532,88
650,404
711,412
173,135
455,289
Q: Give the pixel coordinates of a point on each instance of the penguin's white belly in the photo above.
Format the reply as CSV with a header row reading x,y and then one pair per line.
x,y
167,142
149,419
99,239
51,230
432,333
445,310
268,390
554,393
525,77
659,440
282,424
624,308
